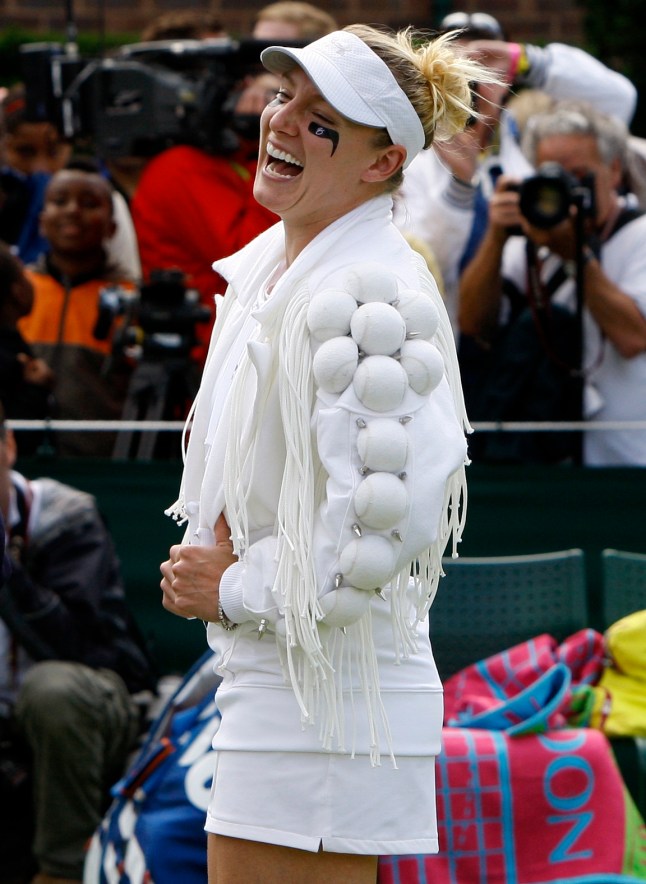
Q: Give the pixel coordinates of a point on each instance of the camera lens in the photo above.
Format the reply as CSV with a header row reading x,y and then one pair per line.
x,y
545,199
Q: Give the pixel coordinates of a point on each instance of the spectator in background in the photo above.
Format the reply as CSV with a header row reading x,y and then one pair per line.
x,y
91,381
26,382
71,663
532,278
30,151
525,104
444,197
184,24
30,145
292,20
193,206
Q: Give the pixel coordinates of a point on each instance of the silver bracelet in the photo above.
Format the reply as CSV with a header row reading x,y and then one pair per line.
x,y
224,621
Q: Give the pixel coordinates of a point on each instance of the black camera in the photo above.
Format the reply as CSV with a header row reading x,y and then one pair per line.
x,y
168,314
546,198
144,99
114,301
160,321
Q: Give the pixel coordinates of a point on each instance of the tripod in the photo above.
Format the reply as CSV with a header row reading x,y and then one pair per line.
x,y
159,389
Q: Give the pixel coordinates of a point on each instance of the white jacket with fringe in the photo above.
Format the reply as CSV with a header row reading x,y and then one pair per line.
x,y
284,459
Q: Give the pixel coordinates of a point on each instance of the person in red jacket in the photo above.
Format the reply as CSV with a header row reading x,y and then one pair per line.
x,y
192,207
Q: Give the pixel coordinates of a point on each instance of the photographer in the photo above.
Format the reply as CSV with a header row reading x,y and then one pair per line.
x,y
518,300
445,192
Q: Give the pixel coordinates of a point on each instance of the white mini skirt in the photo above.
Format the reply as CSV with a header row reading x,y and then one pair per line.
x,y
330,802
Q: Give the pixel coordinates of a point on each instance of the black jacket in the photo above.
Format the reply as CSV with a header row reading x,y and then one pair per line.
x,y
65,597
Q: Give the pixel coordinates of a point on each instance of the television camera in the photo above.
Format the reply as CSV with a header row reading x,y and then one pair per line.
x,y
159,323
155,329
146,97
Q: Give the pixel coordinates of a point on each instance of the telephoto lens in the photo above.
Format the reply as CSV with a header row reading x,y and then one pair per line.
x,y
545,199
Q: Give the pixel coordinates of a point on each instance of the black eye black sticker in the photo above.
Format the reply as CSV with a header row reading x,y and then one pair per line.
x,y
324,132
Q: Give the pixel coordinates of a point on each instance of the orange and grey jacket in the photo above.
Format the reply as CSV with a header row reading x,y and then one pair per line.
x,y
91,382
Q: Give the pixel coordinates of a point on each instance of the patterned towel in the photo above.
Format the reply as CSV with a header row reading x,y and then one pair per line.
x,y
523,810
522,798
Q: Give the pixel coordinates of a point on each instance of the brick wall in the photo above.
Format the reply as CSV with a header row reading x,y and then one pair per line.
x,y
526,20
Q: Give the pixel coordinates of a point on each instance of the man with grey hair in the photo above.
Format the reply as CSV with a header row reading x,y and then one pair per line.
x,y
590,263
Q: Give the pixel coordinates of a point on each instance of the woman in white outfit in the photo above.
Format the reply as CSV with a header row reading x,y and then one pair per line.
x,y
324,477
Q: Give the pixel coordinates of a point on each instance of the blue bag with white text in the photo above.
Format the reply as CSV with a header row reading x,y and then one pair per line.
x,y
154,829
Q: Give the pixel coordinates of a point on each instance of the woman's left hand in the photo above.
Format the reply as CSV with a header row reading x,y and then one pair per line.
x,y
191,575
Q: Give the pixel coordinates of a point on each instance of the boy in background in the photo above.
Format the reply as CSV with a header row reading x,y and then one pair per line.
x,y
91,382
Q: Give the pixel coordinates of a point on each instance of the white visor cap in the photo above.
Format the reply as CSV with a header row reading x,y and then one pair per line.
x,y
356,82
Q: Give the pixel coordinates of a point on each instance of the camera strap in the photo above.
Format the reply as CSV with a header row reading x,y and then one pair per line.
x,y
540,293
539,297
626,215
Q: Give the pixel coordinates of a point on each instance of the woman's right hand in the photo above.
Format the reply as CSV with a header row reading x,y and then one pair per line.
x,y
191,575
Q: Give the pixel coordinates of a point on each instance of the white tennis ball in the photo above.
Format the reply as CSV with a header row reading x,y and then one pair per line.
x,y
380,383
370,281
344,606
334,364
381,501
378,328
329,314
367,562
423,365
383,445
420,314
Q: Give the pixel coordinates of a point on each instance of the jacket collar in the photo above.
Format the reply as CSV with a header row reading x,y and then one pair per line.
x,y
254,262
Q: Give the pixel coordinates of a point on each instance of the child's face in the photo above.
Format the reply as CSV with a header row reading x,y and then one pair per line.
x,y
77,215
36,147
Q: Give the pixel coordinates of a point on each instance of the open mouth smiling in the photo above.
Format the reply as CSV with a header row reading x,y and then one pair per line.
x,y
282,164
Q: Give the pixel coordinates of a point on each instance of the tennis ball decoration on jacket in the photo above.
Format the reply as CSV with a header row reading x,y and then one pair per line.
x,y
375,336
329,314
367,282
423,365
335,364
419,313
382,445
378,329
367,561
380,383
381,501
342,607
